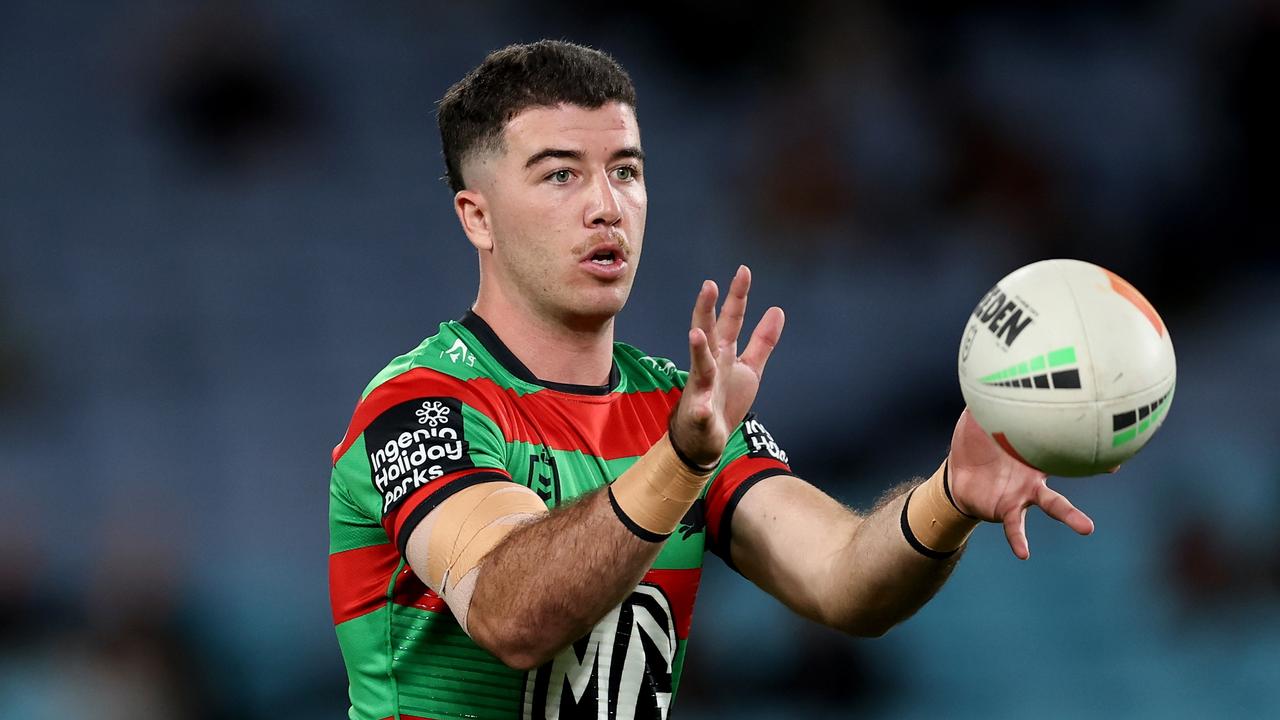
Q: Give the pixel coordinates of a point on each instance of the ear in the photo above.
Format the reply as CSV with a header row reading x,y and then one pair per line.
x,y
473,213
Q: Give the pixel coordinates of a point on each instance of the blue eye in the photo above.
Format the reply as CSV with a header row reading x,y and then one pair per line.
x,y
626,172
560,176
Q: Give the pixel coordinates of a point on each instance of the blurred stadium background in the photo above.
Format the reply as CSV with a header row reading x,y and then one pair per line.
x,y
219,219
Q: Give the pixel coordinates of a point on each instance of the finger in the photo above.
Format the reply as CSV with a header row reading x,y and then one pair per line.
x,y
1058,507
1015,531
735,308
702,366
764,339
704,314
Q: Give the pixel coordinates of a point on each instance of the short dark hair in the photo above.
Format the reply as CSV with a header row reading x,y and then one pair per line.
x,y
473,113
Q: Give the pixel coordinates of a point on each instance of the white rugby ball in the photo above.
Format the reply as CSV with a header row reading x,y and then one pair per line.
x,y
1068,367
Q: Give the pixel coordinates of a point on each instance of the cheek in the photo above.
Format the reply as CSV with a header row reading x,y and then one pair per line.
x,y
638,197
639,206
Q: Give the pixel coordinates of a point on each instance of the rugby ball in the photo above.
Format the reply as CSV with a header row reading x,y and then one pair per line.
x,y
1068,367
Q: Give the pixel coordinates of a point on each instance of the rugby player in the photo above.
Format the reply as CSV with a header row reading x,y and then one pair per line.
x,y
520,506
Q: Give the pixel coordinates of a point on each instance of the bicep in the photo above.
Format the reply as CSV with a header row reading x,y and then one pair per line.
x,y
445,549
786,534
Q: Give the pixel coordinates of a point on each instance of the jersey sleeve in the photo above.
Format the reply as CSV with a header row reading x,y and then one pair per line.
x,y
750,456
410,448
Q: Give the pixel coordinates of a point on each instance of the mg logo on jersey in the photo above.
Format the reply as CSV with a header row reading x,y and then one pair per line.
x,y
621,670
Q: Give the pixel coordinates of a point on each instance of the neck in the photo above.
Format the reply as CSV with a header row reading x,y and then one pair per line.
x,y
572,350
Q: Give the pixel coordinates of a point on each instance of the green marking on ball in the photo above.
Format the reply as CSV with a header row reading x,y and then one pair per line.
x,y
1027,368
1064,356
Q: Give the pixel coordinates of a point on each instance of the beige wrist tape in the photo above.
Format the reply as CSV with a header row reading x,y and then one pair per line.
x,y
931,522
447,547
654,494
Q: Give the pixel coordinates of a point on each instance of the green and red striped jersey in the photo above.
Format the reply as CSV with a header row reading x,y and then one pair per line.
x,y
461,409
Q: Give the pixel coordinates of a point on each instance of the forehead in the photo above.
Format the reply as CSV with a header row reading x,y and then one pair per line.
x,y
604,129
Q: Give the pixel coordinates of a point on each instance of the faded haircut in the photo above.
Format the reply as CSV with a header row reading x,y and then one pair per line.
x,y
473,113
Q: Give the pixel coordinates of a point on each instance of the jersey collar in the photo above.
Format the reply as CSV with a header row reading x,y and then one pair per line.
x,y
508,359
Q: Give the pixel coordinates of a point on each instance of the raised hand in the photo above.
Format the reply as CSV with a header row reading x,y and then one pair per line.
x,y
988,484
722,385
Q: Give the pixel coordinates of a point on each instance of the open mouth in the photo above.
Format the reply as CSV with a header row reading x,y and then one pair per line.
x,y
604,257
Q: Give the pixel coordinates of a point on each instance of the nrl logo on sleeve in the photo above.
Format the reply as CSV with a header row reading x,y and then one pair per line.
x,y
414,443
759,442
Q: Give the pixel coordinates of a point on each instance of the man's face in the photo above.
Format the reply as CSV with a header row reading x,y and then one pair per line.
x,y
566,203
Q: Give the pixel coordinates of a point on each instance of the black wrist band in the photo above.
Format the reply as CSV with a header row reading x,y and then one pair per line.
x,y
646,535
946,488
915,543
695,467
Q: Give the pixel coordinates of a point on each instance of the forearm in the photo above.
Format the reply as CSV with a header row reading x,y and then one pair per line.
x,y
549,581
851,571
552,579
878,578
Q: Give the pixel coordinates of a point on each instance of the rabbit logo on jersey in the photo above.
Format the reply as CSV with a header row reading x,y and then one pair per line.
x,y
414,443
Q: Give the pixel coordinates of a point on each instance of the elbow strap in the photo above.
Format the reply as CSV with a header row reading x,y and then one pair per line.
x,y
653,496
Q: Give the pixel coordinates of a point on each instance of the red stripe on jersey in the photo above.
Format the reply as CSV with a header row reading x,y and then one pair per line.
x,y
609,426
483,395
358,580
412,592
394,521
681,587
721,490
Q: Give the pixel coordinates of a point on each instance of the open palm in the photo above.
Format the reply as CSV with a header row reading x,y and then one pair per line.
x,y
722,384
989,484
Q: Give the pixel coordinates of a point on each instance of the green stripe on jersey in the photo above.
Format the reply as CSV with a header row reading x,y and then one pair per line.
x,y
410,661
455,351
440,673
364,641
350,525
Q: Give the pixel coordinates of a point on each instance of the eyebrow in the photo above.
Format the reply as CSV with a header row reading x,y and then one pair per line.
x,y
626,152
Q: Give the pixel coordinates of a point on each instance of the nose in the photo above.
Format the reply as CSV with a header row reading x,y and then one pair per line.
x,y
603,207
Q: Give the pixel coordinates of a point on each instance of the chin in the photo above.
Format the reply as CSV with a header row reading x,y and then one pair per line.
x,y
599,306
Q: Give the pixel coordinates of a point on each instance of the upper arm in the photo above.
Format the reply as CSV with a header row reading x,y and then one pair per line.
x,y
445,550
423,451
750,456
414,442
786,535
425,462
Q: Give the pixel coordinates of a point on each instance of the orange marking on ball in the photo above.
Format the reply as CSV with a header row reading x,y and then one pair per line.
x,y
1008,447
1130,293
